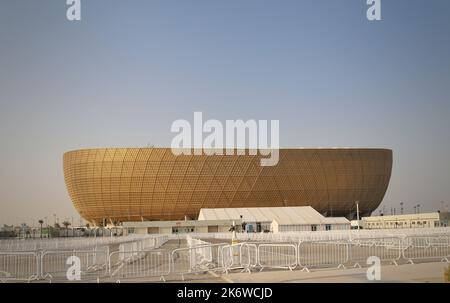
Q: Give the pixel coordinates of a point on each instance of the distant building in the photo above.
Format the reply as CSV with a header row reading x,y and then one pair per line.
x,y
252,219
355,223
424,220
177,227
7,231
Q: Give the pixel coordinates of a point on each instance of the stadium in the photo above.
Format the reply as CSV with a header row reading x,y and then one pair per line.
x,y
188,218
151,184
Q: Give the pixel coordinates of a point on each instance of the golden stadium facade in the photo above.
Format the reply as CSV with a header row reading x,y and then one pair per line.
x,y
134,184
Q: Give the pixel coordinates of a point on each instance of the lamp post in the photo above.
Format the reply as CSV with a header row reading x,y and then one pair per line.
x,y
40,223
357,212
46,224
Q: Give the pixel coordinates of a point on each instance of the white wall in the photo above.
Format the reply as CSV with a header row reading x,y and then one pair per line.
x,y
306,227
201,229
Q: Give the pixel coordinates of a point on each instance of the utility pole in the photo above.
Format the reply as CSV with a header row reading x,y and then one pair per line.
x,y
46,226
357,212
401,208
233,234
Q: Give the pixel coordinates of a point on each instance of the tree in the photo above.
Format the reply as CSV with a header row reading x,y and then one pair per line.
x,y
66,226
40,223
87,231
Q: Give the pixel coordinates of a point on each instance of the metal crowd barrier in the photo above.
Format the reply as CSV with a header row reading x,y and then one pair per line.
x,y
249,256
387,249
426,248
197,259
151,263
277,256
142,258
81,243
231,257
331,235
319,254
19,266
75,264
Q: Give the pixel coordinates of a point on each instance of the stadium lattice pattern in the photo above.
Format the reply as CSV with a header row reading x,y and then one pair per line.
x,y
133,184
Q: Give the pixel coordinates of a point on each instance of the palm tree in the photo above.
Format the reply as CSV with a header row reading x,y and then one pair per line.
x,y
66,225
40,223
88,230
55,230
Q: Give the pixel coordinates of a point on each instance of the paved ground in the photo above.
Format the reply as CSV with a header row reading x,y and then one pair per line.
x,y
407,273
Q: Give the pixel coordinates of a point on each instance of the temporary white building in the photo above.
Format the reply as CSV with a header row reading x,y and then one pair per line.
x,y
276,219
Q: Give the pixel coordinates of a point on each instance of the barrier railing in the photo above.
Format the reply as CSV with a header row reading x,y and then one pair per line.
x,y
231,257
19,266
71,243
317,254
249,256
201,258
74,265
143,258
387,249
150,263
131,250
331,235
277,256
426,248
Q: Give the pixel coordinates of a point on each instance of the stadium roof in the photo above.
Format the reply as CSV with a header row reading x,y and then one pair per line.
x,y
282,215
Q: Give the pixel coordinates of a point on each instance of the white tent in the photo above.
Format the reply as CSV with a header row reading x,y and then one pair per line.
x,y
297,218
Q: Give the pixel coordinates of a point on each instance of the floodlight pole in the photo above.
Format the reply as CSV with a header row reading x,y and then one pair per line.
x,y
357,212
233,234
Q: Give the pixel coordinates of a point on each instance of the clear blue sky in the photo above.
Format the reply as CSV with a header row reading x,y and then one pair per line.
x,y
123,74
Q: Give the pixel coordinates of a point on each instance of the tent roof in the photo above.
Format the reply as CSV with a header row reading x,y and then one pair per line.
x,y
282,215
